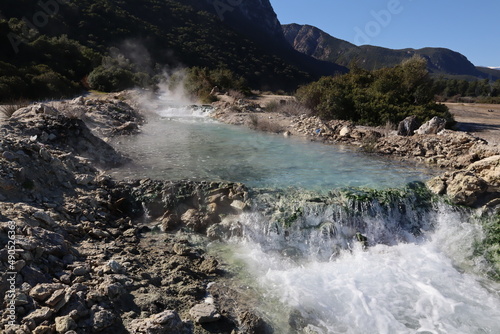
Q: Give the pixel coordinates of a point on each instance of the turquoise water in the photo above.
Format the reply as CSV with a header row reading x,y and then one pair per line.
x,y
198,148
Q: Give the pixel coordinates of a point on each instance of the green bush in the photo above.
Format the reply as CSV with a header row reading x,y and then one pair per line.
x,y
375,97
53,85
111,79
199,82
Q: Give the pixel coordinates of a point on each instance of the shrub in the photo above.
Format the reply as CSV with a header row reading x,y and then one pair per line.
x,y
199,82
269,126
110,79
293,108
375,97
272,106
51,84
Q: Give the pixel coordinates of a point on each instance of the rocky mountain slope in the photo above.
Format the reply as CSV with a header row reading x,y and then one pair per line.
x,y
48,51
318,44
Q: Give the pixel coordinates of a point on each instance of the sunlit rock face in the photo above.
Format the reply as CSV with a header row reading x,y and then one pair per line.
x,y
254,18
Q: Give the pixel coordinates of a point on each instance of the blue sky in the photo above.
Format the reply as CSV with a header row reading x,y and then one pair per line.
x,y
469,27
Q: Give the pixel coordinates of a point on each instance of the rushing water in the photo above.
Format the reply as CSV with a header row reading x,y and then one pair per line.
x,y
416,271
407,285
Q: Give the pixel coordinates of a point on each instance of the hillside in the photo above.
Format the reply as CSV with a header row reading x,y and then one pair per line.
x,y
48,50
320,45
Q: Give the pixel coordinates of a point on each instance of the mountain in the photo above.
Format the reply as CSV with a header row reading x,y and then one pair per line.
x,y
320,45
49,47
490,72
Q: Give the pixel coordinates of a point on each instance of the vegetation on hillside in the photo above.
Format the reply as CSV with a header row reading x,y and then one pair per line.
x,y
453,90
109,45
375,97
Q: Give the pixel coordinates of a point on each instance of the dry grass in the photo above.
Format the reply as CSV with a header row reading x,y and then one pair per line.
x,y
388,128
269,126
293,108
369,143
9,109
254,121
272,106
235,94
288,107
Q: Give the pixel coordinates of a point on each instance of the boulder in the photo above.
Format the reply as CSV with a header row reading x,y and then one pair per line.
x,y
164,322
42,291
474,186
345,131
489,170
39,315
466,188
64,324
102,319
432,127
437,185
408,126
204,313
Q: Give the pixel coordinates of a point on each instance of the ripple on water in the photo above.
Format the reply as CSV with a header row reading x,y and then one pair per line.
x,y
198,148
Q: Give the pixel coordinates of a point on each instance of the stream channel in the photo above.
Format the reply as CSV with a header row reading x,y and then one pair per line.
x,y
328,248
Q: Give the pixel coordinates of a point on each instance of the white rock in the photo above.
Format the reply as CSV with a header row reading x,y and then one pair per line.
x,y
115,267
345,131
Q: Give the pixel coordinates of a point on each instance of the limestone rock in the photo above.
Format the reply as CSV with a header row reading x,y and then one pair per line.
x,y
239,205
434,126
64,324
465,188
345,131
164,322
39,315
42,291
437,185
489,170
204,313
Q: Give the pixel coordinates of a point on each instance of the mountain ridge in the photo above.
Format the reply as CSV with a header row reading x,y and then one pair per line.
x,y
316,43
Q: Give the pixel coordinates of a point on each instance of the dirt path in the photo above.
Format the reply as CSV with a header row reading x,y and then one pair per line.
x,y
481,120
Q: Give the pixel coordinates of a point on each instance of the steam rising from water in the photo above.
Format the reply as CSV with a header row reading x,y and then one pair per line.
x,y
170,95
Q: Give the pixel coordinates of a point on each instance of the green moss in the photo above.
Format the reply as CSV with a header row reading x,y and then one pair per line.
x,y
490,246
293,217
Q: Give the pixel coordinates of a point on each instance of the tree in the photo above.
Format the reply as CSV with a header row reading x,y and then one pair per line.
x,y
375,97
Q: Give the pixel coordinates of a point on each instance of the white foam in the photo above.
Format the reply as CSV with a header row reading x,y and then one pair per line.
x,y
182,111
406,288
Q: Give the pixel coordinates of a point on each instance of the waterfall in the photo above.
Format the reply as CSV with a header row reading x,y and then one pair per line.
x,y
362,261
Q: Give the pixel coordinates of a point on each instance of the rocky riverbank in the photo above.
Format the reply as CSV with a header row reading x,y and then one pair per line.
x,y
83,253
457,153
